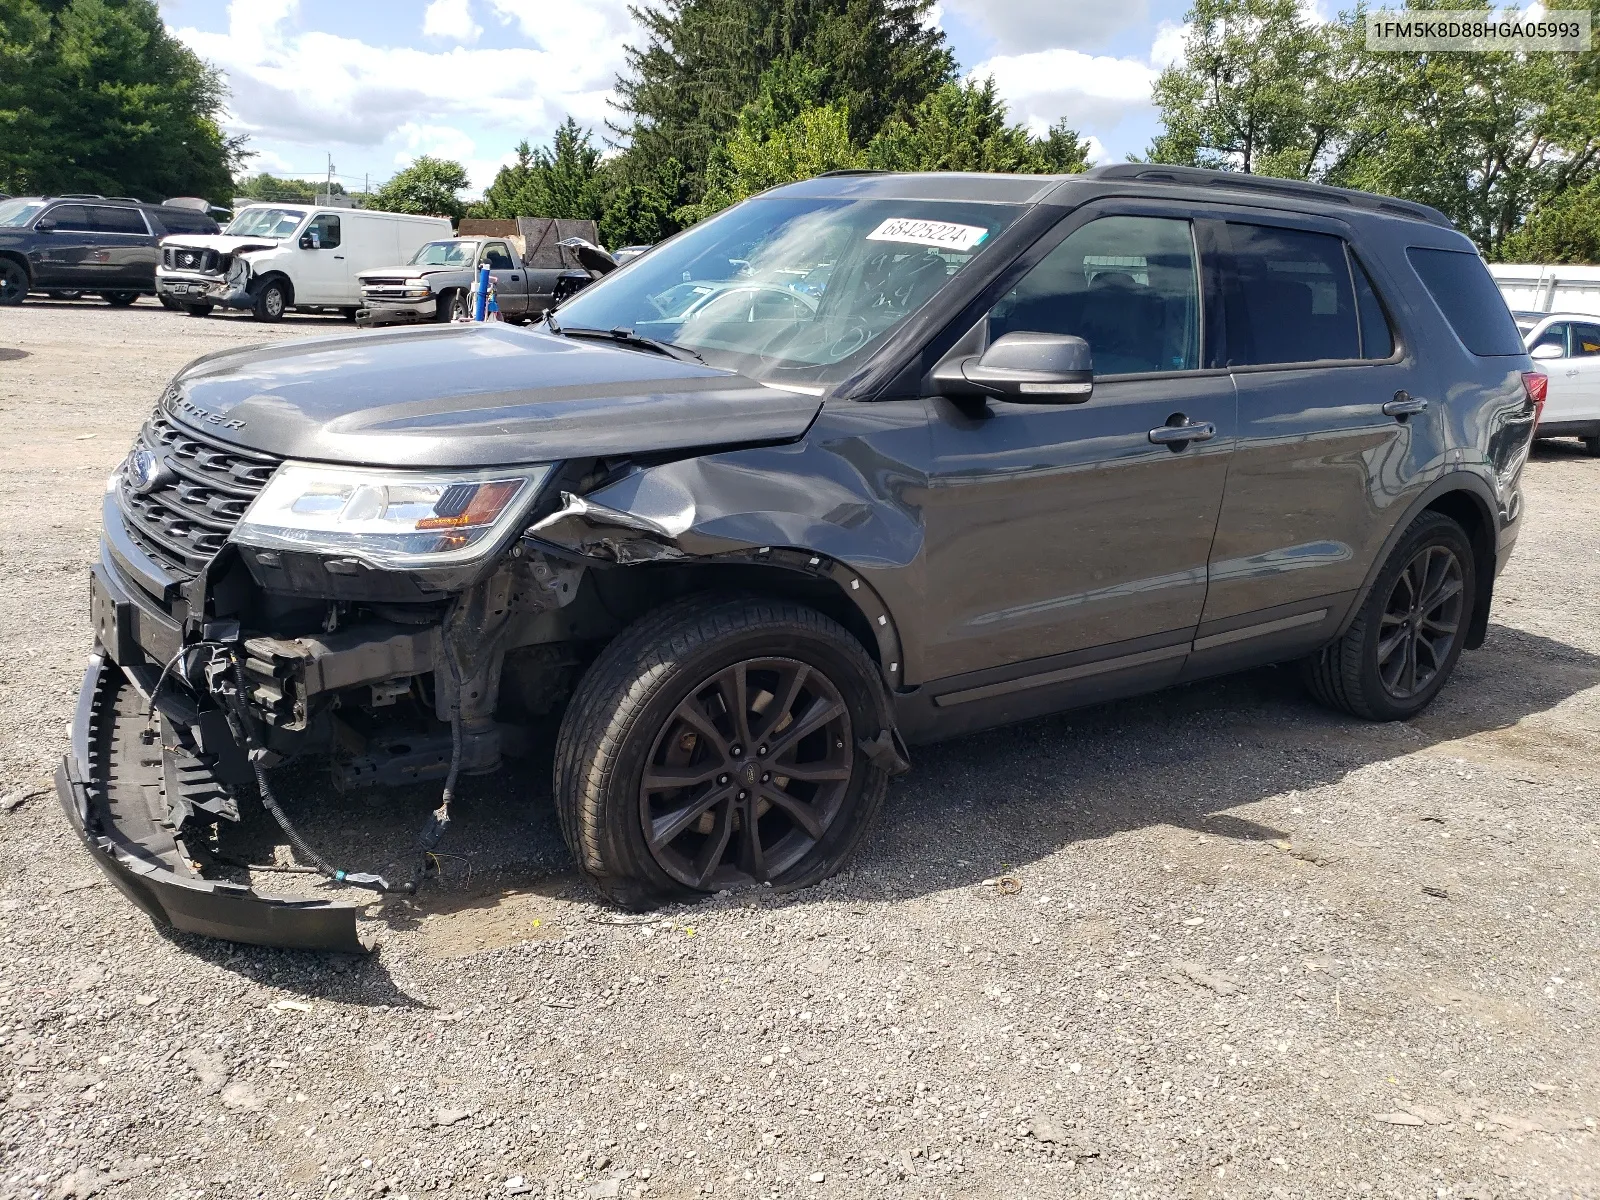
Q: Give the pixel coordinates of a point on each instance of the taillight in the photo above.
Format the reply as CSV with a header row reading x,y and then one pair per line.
x,y
1537,385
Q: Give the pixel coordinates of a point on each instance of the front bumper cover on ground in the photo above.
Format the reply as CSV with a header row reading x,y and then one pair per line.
x,y
148,868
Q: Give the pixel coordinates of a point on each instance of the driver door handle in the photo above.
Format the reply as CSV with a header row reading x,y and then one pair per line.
x,y
1166,435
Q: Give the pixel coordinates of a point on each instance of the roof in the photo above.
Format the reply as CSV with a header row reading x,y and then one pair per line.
x,y
1032,189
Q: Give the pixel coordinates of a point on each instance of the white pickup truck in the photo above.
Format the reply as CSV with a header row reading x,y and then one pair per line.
x,y
273,257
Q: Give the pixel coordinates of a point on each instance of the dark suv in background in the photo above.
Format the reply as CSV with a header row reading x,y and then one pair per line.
x,y
1011,444
67,245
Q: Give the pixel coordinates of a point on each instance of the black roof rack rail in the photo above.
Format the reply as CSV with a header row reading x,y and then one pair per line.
x,y
852,171
1238,181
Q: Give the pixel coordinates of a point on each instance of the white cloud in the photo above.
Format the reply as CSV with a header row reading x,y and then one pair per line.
x,y
1167,49
450,20
1097,151
325,91
1021,25
1088,90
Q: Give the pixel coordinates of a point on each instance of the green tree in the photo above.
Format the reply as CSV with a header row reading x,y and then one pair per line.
x,y
429,185
1564,229
1485,138
642,204
273,187
703,61
565,179
96,95
960,127
1061,151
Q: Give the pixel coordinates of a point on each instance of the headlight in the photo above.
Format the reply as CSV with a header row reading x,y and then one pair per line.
x,y
388,518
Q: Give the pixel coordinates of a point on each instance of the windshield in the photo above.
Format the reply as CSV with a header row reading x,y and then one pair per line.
x,y
265,222
444,254
792,289
18,212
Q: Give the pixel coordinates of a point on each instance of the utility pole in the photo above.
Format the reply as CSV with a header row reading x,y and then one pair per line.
x,y
328,199
366,188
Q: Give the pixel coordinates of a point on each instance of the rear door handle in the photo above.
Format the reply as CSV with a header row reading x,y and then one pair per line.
x,y
1404,405
1199,431
340,257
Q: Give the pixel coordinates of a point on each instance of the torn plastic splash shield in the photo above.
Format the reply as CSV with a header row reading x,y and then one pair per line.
x,y
149,869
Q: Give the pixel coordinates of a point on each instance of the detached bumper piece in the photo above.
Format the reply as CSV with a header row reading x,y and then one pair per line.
x,y
114,787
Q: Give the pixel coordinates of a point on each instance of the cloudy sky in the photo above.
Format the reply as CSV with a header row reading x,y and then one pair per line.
x,y
374,83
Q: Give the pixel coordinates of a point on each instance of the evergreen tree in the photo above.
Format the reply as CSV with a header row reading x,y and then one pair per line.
x,y
500,197
960,127
97,96
703,61
1061,151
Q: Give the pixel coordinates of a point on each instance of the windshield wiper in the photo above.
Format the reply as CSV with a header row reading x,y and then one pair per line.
x,y
626,337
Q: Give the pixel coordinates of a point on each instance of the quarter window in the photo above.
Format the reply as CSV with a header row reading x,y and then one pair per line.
x,y
1585,340
324,231
117,220
1291,299
1128,286
1467,296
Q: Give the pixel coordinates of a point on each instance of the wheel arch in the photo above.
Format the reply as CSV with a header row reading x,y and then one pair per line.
x,y
1466,500
261,281
831,587
22,261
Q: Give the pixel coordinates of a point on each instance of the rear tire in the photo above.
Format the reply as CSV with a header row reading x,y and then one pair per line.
x,y
1404,642
271,301
349,314
1592,445
68,294
664,696
198,310
119,299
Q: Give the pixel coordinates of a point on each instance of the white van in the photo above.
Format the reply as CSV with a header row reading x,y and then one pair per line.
x,y
273,257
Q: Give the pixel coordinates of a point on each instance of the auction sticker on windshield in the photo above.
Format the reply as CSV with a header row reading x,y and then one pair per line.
x,y
943,234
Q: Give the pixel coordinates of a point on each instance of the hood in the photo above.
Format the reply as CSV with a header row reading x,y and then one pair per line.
x,y
220,242
411,269
473,395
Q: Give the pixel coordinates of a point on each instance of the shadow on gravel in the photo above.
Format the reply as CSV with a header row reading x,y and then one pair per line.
x,y
967,809
1184,758
9,354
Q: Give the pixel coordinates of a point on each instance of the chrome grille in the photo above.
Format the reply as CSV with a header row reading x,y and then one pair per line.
x,y
186,518
183,258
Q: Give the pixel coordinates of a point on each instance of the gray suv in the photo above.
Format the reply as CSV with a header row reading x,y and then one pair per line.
x,y
930,453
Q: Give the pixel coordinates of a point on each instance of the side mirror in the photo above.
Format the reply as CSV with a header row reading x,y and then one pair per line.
x,y
306,242
1547,350
44,224
1024,368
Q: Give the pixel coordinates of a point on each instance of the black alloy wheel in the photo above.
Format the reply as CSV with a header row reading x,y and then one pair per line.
x,y
721,742
1421,622
1406,637
747,774
13,282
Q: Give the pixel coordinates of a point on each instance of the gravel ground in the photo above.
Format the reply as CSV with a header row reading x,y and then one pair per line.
x,y
1252,948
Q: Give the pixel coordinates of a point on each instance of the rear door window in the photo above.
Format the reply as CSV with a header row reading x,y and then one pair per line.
x,y
1584,340
178,221
1129,286
117,220
1291,298
1467,296
1377,338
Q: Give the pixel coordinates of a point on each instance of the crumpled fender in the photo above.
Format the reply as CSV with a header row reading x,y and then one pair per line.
x,y
798,505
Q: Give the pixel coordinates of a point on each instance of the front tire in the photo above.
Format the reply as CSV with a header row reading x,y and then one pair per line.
x,y
1403,645
715,744
450,306
198,310
119,299
1592,445
271,301
13,282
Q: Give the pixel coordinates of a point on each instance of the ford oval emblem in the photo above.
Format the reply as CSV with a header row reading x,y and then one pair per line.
x,y
146,471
